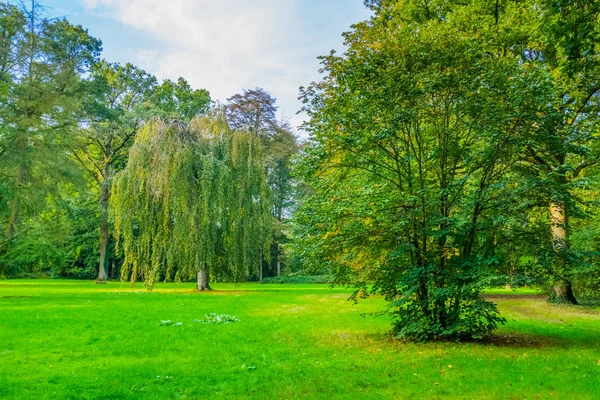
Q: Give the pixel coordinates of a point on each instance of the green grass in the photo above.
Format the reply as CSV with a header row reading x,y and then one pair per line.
x,y
77,340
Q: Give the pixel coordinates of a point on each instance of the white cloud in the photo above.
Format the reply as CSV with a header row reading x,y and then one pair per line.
x,y
226,46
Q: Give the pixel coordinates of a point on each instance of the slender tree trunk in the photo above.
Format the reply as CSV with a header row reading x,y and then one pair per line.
x,y
104,194
203,280
260,268
16,207
562,289
278,260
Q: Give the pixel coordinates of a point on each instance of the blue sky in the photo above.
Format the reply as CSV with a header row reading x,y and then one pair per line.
x,y
223,46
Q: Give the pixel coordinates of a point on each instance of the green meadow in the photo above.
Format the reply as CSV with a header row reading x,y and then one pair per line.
x,y
76,340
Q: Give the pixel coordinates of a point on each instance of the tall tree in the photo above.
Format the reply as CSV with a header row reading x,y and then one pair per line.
x,y
117,105
192,201
281,149
255,111
564,139
42,63
412,132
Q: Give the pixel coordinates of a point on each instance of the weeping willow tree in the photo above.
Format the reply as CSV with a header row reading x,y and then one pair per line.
x,y
193,201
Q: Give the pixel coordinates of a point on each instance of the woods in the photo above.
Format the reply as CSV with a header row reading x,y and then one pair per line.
x,y
69,120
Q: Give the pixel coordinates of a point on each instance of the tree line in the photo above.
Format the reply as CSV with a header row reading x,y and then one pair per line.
x,y
69,120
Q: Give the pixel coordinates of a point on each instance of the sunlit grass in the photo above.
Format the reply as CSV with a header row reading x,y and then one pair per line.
x,y
70,339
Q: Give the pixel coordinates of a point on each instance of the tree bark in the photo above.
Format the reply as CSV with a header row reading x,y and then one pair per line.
x,y
203,280
562,290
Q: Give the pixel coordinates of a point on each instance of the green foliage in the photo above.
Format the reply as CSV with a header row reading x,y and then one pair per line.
x,y
33,257
448,149
413,131
191,198
178,100
42,63
476,317
254,110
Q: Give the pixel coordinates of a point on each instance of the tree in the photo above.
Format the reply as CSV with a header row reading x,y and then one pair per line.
x,y
281,148
178,100
193,200
42,64
117,105
563,141
254,110
412,132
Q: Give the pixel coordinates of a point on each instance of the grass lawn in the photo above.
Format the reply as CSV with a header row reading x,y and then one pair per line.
x,y
77,340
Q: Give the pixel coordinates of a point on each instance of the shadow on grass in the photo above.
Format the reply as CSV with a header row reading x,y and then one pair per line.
x,y
589,302
521,340
508,340
493,297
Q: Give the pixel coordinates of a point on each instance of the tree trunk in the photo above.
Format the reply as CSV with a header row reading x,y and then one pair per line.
x,y
260,268
562,290
278,261
102,269
203,280
16,207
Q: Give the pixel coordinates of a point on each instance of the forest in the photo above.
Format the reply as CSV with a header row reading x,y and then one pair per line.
x,y
445,185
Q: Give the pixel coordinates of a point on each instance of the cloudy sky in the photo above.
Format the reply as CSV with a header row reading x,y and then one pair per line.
x,y
223,46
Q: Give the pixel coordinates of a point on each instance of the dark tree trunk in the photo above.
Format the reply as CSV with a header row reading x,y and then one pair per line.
x,y
203,280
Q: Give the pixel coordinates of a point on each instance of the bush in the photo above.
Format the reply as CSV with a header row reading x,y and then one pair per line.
x,y
32,258
477,317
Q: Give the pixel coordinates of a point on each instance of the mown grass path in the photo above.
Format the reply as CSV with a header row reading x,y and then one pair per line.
x,y
77,340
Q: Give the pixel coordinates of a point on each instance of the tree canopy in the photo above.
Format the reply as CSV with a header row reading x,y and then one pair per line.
x,y
193,198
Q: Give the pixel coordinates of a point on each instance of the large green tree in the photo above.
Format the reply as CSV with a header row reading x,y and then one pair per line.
x,y
42,64
192,201
563,140
121,98
117,104
412,131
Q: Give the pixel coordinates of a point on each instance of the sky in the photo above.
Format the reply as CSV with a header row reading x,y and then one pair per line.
x,y
224,46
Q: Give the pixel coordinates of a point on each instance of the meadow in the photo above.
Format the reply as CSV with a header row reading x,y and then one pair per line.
x,y
76,340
